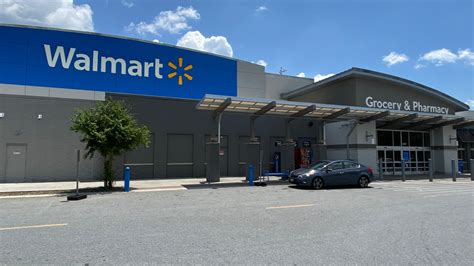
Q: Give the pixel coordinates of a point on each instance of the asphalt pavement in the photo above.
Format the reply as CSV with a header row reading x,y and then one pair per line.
x,y
390,223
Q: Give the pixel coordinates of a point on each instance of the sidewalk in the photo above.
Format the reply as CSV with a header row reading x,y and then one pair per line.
x,y
65,187
92,187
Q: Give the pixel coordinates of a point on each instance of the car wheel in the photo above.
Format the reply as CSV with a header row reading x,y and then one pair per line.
x,y
318,183
363,182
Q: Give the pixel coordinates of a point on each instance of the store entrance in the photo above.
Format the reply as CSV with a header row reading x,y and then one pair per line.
x,y
411,147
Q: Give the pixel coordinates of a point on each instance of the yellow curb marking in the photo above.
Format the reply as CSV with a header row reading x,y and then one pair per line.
x,y
31,226
289,206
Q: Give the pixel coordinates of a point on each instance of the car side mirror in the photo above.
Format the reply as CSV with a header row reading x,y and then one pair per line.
x,y
328,169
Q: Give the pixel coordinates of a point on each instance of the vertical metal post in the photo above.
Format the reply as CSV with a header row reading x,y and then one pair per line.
x,y
250,175
219,130
252,129
77,170
126,179
430,168
472,169
354,124
287,130
403,171
454,170
380,170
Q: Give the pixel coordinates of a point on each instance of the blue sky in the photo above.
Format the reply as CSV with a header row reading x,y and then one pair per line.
x,y
430,42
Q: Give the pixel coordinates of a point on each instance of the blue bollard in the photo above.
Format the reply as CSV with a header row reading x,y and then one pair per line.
x,y
126,179
250,175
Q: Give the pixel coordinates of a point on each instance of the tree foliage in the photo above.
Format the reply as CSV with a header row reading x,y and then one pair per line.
x,y
109,129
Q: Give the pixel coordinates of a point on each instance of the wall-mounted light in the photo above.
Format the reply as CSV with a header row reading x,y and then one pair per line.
x,y
2,115
370,136
40,116
451,138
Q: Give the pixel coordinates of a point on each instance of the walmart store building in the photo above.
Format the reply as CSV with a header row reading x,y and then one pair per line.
x,y
208,112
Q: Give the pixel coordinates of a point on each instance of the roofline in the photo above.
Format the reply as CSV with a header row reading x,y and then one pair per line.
x,y
374,74
287,76
120,37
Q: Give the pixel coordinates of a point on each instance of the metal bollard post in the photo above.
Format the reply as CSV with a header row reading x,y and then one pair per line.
x,y
380,170
430,167
454,170
126,179
404,178
472,169
250,175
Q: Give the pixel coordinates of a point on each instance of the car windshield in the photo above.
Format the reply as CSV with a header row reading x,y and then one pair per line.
x,y
318,165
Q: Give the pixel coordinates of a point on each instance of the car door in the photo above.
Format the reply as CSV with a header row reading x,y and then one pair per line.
x,y
351,173
333,175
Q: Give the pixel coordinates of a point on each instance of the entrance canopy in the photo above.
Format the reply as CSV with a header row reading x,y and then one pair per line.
x,y
327,112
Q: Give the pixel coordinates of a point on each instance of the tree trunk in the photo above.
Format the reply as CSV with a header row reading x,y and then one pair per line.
x,y
108,172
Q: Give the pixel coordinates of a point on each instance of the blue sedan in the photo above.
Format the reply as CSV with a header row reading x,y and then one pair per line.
x,y
332,173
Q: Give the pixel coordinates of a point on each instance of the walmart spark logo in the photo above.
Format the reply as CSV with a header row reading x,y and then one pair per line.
x,y
175,73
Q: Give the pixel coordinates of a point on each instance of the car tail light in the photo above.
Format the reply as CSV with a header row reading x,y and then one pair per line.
x,y
370,170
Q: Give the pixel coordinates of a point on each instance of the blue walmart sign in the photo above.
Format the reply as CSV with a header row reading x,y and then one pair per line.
x,y
71,60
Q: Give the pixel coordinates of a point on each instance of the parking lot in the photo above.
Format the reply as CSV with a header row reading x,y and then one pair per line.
x,y
413,222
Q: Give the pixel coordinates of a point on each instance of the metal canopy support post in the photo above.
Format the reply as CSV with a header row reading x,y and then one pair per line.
x,y
253,147
288,146
430,165
319,148
354,124
472,169
375,117
257,114
454,170
400,120
424,122
213,147
292,117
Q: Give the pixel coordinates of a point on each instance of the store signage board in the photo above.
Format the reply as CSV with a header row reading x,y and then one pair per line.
x,y
406,105
88,61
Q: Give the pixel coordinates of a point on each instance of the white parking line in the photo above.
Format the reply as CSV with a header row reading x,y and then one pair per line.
x,y
289,206
30,196
31,226
446,191
451,194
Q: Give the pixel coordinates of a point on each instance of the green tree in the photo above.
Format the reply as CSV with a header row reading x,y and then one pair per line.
x,y
109,129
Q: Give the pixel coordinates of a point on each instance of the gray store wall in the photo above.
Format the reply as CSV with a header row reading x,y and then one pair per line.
x,y
250,80
276,84
50,145
169,117
253,82
353,91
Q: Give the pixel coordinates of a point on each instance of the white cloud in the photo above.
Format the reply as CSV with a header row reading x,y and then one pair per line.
x,y
170,21
301,75
128,3
418,66
213,44
53,13
319,77
470,102
443,56
394,58
467,55
261,62
440,57
156,40
261,9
